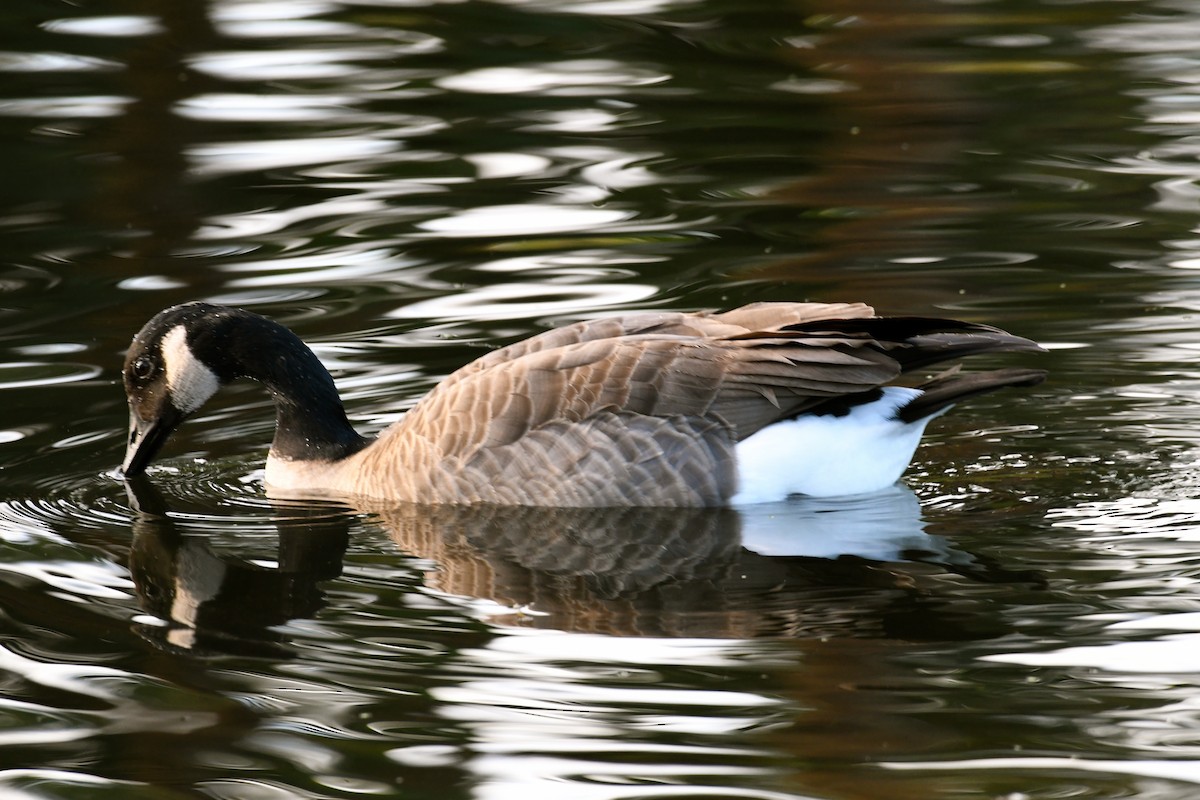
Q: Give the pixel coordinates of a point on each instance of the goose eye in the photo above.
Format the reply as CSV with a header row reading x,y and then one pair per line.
x,y
142,368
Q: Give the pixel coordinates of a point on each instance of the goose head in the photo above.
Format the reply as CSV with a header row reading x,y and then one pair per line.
x,y
169,373
184,354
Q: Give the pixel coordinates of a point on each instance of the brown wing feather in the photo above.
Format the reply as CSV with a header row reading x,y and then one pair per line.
x,y
746,383
774,316
755,318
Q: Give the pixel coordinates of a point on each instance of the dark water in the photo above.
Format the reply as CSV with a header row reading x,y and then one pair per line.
x,y
409,183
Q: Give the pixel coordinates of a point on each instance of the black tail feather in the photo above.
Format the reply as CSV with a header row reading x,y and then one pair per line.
x,y
917,342
948,389
935,348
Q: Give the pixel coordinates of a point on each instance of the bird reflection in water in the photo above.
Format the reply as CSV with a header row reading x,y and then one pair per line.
x,y
208,602
861,566
850,567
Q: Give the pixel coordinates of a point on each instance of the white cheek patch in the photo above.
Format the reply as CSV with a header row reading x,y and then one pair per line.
x,y
189,381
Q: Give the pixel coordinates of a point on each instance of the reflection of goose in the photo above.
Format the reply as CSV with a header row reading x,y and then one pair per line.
x,y
882,526
847,569
657,409
208,602
792,568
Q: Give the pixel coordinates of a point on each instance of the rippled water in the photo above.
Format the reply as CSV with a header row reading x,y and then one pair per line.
x,y
410,184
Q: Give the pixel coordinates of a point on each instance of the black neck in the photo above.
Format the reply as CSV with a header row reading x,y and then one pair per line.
x,y
310,421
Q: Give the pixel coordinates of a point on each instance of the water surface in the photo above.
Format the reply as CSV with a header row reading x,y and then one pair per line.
x,y
407,185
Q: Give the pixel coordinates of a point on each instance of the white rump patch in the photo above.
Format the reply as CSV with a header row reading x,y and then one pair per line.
x,y
189,381
865,450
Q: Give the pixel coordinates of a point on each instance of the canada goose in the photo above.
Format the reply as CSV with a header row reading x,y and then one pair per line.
x,y
650,409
